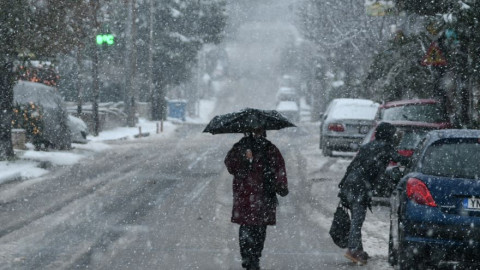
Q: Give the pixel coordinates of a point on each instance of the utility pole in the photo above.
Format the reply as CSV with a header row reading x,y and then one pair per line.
x,y
78,86
150,56
156,90
130,63
96,88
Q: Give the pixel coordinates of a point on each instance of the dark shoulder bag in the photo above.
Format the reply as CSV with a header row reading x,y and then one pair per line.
x,y
340,228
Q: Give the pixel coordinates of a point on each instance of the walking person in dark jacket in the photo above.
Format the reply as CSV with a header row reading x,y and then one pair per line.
x,y
355,188
259,174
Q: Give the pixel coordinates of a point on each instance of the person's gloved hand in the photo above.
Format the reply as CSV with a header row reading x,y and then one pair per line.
x,y
282,191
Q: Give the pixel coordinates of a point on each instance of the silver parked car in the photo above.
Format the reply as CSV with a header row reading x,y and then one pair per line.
x,y
345,124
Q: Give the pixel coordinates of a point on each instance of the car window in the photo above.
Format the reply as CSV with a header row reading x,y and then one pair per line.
x,y
410,137
452,158
417,154
431,113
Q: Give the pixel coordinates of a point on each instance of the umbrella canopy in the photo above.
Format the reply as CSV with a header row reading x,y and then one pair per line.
x,y
247,120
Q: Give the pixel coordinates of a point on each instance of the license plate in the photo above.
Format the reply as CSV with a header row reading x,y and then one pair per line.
x,y
471,203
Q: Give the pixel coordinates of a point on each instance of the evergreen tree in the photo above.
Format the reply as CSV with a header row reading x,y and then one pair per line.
x,y
29,29
346,40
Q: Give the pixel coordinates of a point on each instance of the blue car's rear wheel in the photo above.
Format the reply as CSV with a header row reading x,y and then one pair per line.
x,y
406,257
405,261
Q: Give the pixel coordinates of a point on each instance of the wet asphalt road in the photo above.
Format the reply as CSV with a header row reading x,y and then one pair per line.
x,y
165,204
157,203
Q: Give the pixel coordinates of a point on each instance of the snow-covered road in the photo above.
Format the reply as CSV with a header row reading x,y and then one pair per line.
x,y
164,203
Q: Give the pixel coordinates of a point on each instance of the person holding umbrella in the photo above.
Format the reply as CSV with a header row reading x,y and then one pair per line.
x,y
259,174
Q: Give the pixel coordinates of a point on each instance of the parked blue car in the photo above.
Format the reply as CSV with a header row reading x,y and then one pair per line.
x,y
435,208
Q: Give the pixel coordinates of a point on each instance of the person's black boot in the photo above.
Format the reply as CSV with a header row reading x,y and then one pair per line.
x,y
254,263
246,263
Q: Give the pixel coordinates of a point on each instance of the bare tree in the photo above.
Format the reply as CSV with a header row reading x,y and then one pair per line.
x,y
346,40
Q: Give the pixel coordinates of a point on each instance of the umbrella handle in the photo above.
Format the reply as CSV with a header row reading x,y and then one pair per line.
x,y
249,155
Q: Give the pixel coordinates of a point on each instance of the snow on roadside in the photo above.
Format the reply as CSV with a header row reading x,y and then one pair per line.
x,y
58,158
20,169
128,133
29,162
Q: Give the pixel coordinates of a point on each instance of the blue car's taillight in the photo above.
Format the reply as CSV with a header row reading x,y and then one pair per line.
x,y
418,192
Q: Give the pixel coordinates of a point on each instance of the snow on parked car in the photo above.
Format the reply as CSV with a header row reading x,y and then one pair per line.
x,y
289,109
54,130
287,94
78,129
417,110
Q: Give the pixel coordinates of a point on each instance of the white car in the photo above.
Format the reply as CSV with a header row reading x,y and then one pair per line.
x,y
287,94
289,109
345,124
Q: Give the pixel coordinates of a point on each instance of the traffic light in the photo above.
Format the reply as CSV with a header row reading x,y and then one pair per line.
x,y
107,39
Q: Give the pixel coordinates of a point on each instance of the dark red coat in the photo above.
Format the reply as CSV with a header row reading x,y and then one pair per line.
x,y
250,203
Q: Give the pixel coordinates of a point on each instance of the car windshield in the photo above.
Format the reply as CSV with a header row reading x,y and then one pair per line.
x,y
453,158
430,113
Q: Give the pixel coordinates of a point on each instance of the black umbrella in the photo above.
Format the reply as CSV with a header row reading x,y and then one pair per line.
x,y
247,120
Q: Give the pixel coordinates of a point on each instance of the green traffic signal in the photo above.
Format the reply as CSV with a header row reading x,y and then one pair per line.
x,y
105,38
